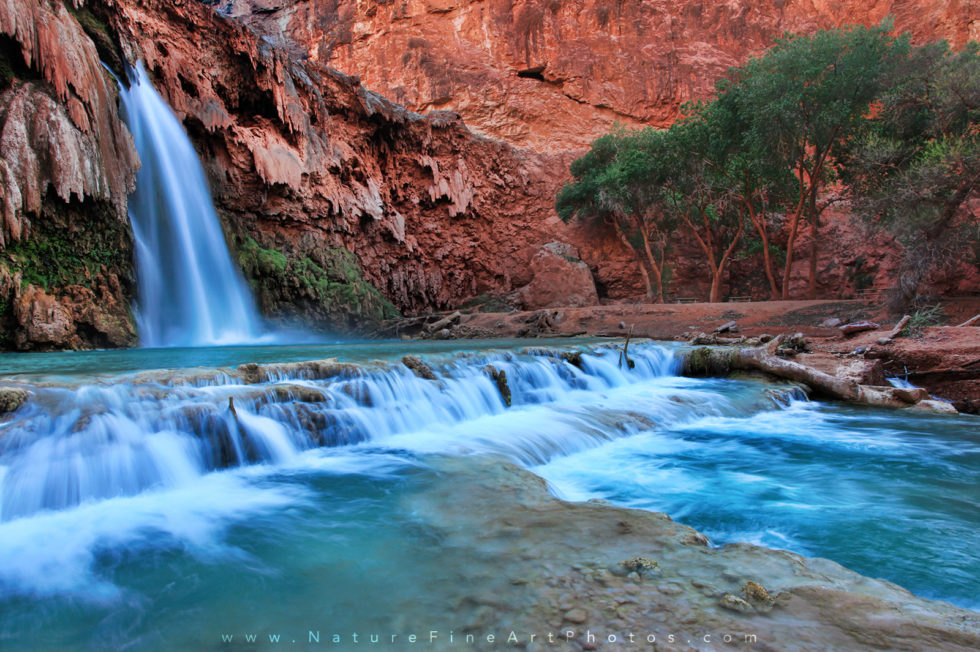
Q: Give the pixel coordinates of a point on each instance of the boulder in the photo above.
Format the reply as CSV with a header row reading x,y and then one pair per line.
x,y
559,279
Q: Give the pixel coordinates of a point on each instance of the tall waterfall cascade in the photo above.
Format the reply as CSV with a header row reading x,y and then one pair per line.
x,y
190,292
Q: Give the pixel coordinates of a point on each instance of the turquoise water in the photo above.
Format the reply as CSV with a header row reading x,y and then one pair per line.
x,y
889,494
152,517
81,364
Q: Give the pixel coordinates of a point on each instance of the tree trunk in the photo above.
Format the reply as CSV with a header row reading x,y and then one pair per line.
x,y
790,241
657,268
760,226
759,221
639,262
722,360
725,257
811,292
715,295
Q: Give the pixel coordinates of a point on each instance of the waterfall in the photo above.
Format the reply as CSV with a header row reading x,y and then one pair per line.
x,y
190,292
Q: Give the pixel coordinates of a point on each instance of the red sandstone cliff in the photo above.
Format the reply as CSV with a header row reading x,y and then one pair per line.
x,y
305,160
552,76
67,163
555,75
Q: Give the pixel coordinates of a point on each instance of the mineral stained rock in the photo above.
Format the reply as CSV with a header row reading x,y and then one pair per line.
x,y
552,76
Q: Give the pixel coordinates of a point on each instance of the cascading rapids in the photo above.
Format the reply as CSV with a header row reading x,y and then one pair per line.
x,y
190,293
73,445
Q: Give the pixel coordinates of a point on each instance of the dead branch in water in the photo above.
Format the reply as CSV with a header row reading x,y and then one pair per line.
x,y
625,352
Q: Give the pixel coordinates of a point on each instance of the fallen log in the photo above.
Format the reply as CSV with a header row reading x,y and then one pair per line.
x,y
724,328
721,361
443,323
858,327
707,361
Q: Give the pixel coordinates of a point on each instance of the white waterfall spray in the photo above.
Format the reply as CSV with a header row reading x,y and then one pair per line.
x,y
190,293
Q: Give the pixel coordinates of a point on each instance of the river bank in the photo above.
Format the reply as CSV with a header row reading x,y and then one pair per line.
x,y
945,360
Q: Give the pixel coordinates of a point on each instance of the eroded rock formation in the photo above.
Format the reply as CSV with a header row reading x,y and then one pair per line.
x,y
67,165
306,160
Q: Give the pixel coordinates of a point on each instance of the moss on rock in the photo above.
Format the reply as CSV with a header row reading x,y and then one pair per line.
x,y
708,361
329,291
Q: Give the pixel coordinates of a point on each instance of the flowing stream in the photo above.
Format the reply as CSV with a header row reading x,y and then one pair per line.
x,y
190,292
147,510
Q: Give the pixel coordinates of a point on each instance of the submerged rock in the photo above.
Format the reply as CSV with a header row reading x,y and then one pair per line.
x,y
499,376
735,603
821,604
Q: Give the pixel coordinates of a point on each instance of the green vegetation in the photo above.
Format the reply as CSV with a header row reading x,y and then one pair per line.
x,y
332,285
802,101
921,319
96,29
916,163
70,245
747,170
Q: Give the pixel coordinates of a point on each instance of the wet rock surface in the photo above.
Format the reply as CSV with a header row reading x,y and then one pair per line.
x,y
557,557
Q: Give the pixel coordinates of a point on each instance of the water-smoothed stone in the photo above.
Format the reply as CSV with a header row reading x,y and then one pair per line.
x,y
499,376
820,605
576,616
935,407
757,596
419,367
12,398
642,566
293,393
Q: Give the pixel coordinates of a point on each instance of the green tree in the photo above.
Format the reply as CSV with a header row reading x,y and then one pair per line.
x,y
702,189
802,101
617,182
916,166
755,182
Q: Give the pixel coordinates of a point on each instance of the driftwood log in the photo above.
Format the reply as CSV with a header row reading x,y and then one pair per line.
x,y
720,361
